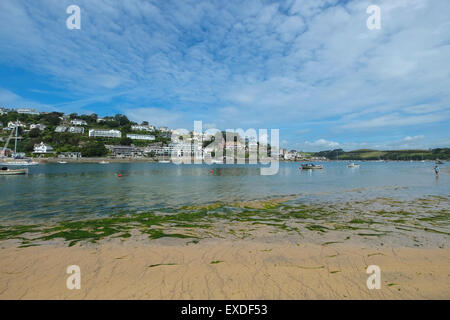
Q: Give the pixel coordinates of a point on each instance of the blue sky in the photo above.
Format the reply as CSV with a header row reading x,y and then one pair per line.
x,y
309,68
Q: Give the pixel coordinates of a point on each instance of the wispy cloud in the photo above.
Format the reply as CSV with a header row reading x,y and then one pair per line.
x,y
242,64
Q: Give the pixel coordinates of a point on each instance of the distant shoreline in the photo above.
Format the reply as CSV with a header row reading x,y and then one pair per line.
x,y
129,160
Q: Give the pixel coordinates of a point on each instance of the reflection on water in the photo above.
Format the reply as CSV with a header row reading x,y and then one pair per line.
x,y
57,191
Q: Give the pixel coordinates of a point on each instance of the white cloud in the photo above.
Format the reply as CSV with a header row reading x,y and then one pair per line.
x,y
158,117
244,64
322,143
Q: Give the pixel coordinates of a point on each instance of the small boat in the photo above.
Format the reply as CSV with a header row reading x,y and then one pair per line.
x,y
19,163
439,161
353,165
8,172
164,161
104,162
62,162
312,166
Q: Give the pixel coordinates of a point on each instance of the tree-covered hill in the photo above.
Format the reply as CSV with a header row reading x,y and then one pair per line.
x,y
368,154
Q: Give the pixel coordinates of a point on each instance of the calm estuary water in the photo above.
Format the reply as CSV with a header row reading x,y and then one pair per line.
x,y
67,191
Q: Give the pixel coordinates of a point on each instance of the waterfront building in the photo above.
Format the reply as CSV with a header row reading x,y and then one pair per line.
x,y
69,155
5,152
42,148
186,150
157,149
125,151
105,133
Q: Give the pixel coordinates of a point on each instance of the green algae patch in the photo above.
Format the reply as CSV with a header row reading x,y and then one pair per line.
x,y
436,231
376,254
392,284
310,268
330,242
371,234
316,227
13,232
241,220
361,221
156,234
162,264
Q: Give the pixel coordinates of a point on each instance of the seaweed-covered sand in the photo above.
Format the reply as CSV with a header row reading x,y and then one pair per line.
x,y
270,249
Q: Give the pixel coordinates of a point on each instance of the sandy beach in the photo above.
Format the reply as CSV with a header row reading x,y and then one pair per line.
x,y
222,269
257,250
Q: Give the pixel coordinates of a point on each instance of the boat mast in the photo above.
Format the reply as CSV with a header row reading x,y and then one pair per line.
x,y
15,144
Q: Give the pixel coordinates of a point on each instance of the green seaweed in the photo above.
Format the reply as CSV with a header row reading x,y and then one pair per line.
x,y
162,264
316,227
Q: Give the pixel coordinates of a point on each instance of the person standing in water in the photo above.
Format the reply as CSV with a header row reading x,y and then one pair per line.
x,y
436,170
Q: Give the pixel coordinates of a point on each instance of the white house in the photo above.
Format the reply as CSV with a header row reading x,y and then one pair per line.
x,y
78,122
60,129
140,136
27,111
70,155
142,128
42,148
105,133
76,130
38,126
12,124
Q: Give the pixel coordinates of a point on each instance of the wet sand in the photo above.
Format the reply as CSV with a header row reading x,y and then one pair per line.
x,y
223,269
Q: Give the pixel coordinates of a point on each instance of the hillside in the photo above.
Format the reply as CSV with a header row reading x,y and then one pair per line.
x,y
368,154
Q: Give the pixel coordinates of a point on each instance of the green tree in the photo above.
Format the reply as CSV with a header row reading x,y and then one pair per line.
x,y
34,133
94,149
125,141
52,118
121,119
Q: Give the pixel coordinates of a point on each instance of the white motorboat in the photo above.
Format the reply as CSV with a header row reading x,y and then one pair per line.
x,y
19,163
353,165
9,172
311,166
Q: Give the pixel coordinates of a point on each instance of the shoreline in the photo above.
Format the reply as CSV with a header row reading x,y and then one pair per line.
x,y
223,269
156,160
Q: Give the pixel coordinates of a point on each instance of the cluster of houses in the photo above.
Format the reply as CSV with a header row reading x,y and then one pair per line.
x,y
185,144
13,124
19,110
294,155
